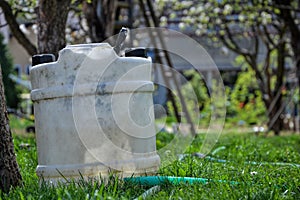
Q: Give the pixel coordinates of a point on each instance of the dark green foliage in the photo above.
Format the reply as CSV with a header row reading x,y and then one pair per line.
x,y
6,62
197,97
245,101
162,139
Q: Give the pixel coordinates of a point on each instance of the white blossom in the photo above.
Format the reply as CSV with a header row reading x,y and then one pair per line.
x,y
201,17
186,4
192,10
218,21
241,18
173,15
217,10
181,25
227,9
207,5
266,17
198,32
200,9
163,21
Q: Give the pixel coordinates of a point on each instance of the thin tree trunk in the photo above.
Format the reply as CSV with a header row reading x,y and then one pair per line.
x,y
9,170
275,122
289,19
52,18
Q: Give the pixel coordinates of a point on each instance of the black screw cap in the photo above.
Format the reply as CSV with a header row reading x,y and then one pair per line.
x,y
42,58
136,52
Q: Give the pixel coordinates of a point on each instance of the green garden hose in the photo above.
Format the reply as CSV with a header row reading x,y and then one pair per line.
x,y
156,181
159,180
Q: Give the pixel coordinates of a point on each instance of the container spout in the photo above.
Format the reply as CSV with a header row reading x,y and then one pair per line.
x,y
120,40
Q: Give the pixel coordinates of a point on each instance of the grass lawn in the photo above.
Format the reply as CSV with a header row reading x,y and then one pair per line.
x,y
254,162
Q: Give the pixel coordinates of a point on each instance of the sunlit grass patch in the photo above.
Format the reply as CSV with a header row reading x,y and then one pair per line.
x,y
245,159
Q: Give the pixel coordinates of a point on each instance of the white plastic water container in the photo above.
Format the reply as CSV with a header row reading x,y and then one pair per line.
x,y
94,114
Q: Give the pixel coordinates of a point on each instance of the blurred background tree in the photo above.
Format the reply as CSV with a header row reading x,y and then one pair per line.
x,y
248,28
12,93
96,22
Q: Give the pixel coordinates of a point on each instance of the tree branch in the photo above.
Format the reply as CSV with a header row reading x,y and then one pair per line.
x,y
14,27
250,59
258,74
267,72
256,42
289,20
3,25
232,44
267,35
280,63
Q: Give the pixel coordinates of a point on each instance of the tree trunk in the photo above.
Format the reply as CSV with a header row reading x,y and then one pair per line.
x,y
297,63
288,16
9,170
52,18
100,15
275,122
297,109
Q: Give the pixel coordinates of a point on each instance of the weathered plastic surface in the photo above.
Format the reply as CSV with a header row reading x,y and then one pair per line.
x,y
94,114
